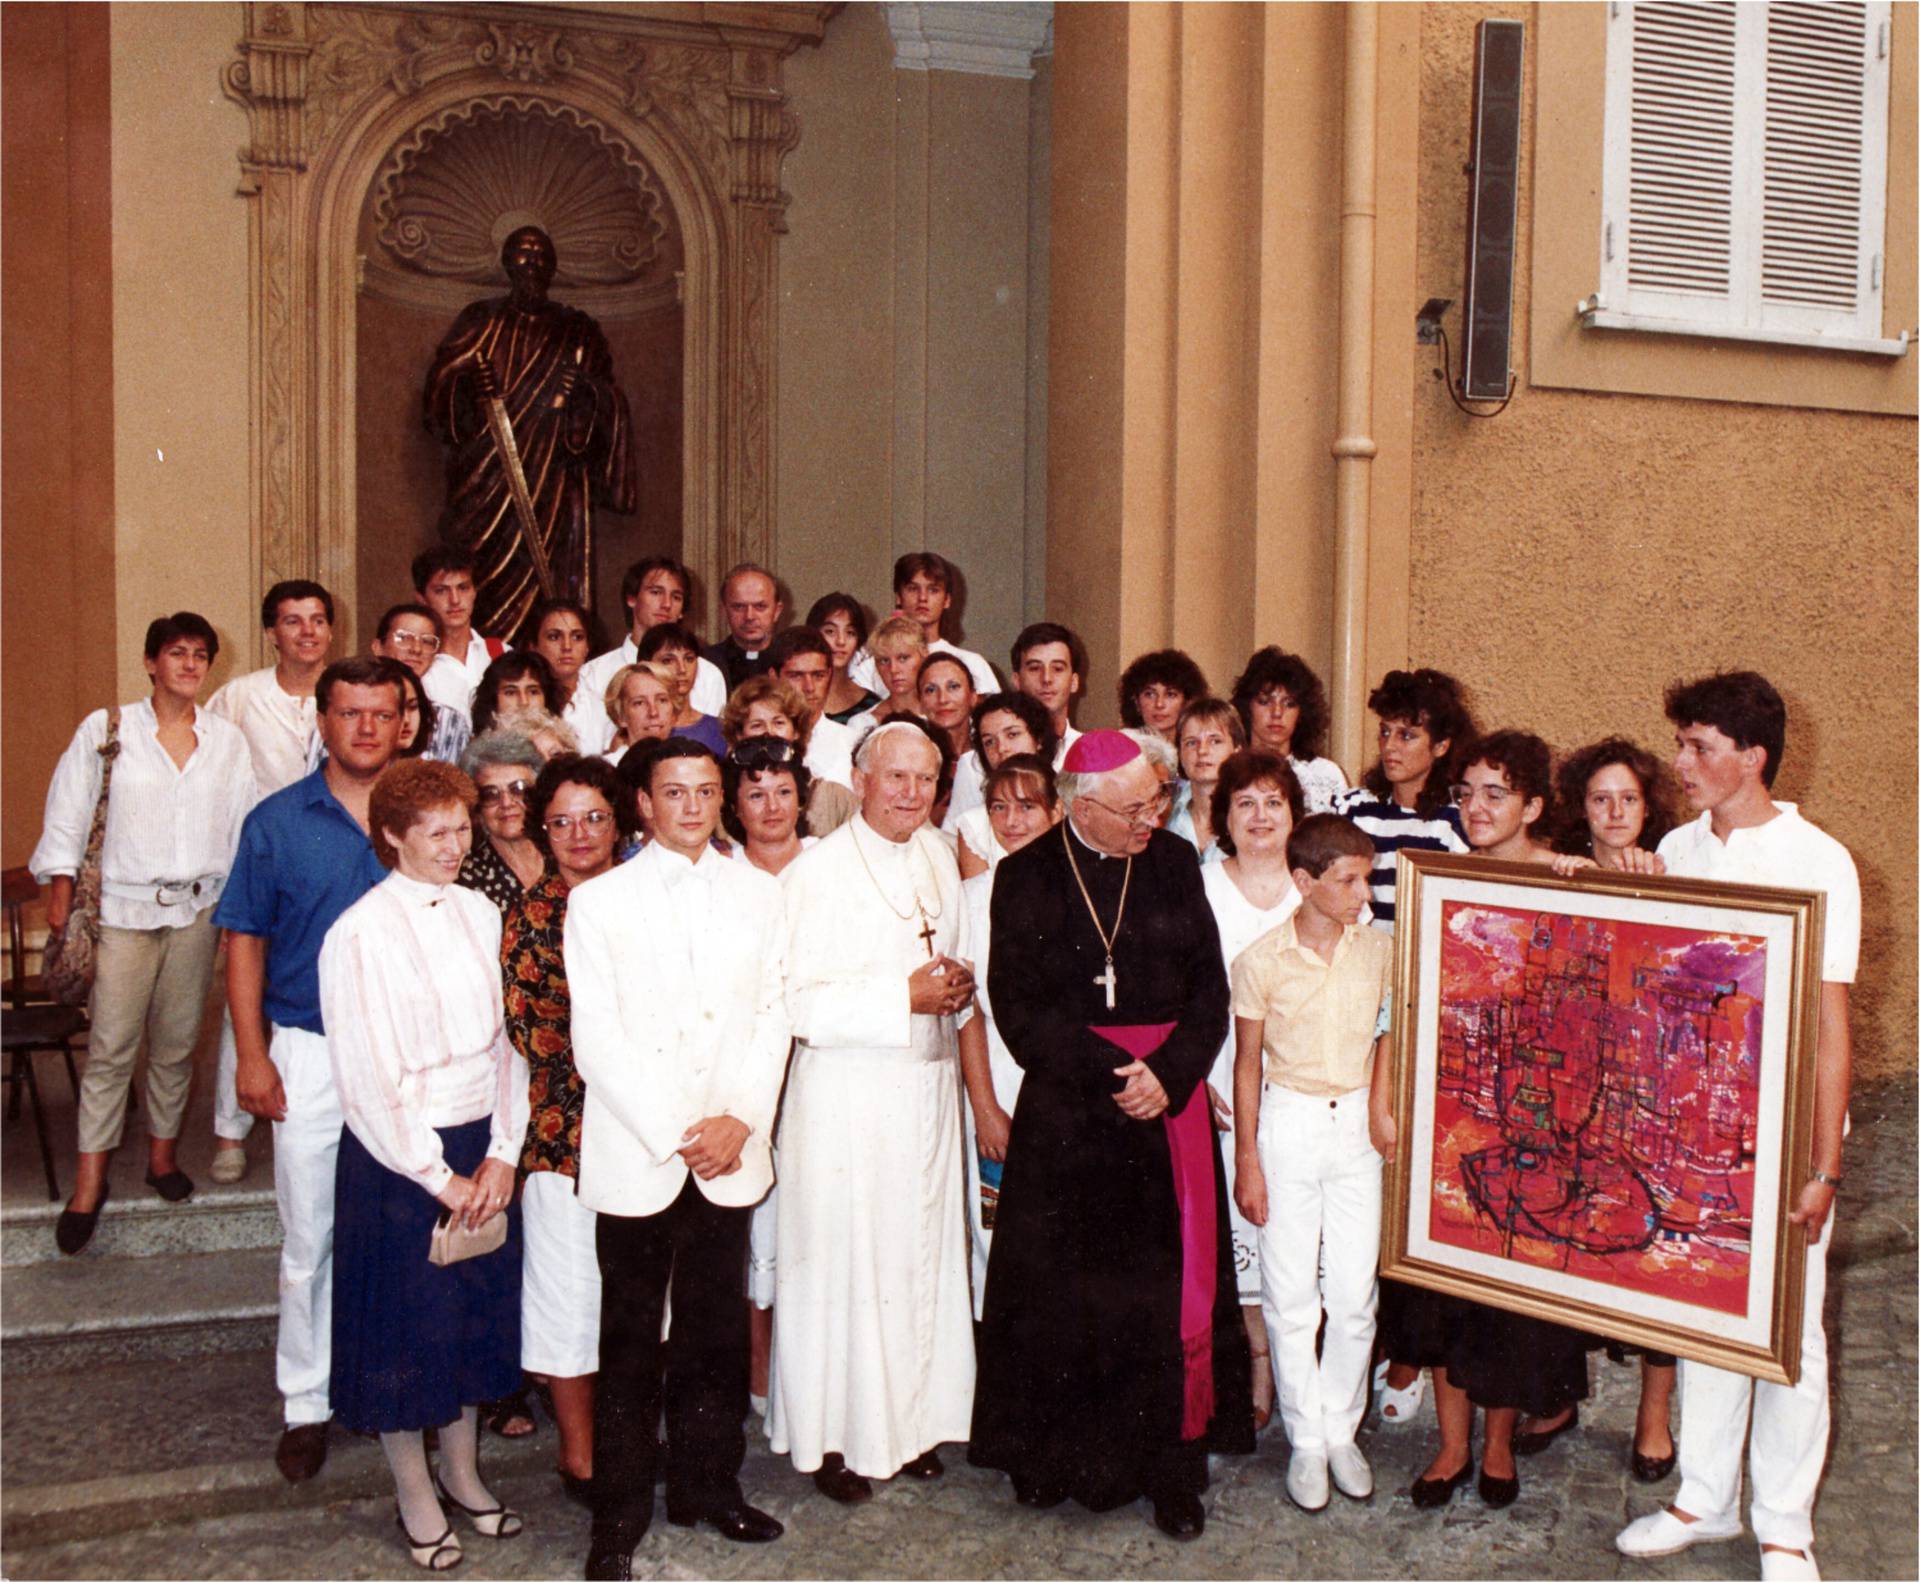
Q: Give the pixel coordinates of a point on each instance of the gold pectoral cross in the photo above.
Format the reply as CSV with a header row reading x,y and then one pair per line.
x,y
1110,979
926,930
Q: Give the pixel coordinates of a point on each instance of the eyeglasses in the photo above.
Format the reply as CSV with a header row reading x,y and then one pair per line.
x,y
764,752
512,791
560,823
413,640
1141,812
1493,796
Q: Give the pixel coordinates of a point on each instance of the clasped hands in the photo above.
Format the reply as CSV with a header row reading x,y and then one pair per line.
x,y
711,1147
475,1199
941,987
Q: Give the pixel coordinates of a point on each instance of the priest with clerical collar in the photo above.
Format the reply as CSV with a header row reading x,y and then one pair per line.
x,y
1112,1357
873,1359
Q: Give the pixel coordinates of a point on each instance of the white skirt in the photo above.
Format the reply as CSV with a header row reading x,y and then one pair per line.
x,y
559,1280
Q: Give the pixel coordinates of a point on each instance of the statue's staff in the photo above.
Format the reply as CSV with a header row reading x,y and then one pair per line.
x,y
509,449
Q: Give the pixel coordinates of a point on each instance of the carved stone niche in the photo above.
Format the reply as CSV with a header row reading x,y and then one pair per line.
x,y
680,127
450,194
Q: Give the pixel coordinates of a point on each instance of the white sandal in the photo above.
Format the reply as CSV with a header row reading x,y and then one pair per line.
x,y
1402,1406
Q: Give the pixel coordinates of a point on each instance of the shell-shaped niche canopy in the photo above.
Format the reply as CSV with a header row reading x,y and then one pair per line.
x,y
450,194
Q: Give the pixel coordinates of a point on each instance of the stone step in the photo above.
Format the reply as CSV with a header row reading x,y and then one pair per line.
x,y
233,1219
81,1313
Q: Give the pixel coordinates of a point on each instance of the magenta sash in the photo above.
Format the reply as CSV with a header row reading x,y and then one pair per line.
x,y
1190,1145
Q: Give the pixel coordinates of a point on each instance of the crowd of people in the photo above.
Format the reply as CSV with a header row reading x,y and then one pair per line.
x,y
806,1023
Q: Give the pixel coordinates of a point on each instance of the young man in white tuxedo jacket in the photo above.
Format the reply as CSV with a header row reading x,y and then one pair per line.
x,y
675,965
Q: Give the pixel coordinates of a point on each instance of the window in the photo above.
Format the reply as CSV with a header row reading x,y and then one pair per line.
x,y
1745,172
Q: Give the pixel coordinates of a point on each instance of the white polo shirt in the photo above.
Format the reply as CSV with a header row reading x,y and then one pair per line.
x,y
1788,853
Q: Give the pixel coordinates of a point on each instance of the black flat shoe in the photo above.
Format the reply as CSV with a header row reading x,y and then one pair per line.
x,y
1498,1493
1430,1493
928,1465
176,1186
1037,1496
74,1229
1654,1469
838,1482
1182,1516
1535,1440
577,1489
736,1521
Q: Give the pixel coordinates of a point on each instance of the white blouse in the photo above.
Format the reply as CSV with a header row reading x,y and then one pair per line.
x,y
410,993
167,826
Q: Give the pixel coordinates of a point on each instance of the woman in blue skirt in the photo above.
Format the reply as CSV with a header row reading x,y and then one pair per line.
x,y
434,1098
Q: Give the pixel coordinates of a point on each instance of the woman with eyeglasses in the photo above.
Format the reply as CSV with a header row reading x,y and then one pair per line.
x,y
578,812
410,635
505,861
1481,1356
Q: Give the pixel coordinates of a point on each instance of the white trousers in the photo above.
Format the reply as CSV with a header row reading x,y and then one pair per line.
x,y
559,1279
761,1243
1789,1430
306,1146
1319,1249
229,1120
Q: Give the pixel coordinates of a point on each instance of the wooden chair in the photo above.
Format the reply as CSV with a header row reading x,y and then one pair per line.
x,y
30,1024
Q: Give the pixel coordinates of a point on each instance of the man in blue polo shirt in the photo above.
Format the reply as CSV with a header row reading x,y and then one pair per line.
x,y
304,859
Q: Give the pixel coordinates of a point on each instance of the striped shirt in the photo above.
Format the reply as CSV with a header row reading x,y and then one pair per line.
x,y
1393,829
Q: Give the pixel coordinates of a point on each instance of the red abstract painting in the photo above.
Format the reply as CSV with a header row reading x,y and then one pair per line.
x,y
1597,1098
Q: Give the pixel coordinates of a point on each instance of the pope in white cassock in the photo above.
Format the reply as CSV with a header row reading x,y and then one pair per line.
x,y
873,1351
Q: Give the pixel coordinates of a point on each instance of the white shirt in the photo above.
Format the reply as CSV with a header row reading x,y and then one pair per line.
x,y
410,991
448,684
279,727
864,672
1789,853
165,825
969,790
1321,780
586,715
830,751
1067,738
709,694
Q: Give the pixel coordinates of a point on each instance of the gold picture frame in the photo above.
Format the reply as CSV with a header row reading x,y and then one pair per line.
x,y
1603,1096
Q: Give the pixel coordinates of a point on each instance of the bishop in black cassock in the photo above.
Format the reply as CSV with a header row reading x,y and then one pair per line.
x,y
1112,1356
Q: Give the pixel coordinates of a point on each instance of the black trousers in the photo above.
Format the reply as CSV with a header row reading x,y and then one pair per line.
x,y
702,1250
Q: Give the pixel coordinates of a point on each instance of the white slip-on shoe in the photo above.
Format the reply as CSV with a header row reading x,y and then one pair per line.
x,y
1351,1474
229,1166
1778,1566
1402,1406
1663,1533
1307,1479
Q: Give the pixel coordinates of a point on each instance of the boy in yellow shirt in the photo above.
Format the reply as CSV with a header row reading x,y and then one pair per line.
x,y
1310,1005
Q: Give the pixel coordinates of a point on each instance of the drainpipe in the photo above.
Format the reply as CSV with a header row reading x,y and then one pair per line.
x,y
1353,448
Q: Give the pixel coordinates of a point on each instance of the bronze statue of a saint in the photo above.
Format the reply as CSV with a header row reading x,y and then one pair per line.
x,y
522,384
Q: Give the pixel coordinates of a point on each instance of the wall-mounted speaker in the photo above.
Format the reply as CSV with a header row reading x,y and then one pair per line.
x,y
1499,53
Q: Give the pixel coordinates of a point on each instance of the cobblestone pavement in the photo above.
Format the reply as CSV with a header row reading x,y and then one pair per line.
x,y
1577,1493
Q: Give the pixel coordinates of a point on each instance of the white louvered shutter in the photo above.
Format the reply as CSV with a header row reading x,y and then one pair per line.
x,y
1745,165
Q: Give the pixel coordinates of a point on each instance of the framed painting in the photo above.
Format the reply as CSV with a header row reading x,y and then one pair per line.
x,y
1604,1098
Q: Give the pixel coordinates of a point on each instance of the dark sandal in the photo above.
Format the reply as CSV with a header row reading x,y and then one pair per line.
x,y
501,1415
428,1556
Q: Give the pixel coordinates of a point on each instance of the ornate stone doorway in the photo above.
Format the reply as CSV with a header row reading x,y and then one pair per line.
x,y
337,95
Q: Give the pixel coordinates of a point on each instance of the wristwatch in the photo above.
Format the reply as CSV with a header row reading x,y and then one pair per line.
x,y
1826,1180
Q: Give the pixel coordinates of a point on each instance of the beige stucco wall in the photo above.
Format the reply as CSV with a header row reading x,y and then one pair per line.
x,y
179,333
1575,554
907,278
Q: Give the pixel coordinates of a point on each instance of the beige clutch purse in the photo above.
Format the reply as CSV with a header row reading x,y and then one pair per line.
x,y
454,1243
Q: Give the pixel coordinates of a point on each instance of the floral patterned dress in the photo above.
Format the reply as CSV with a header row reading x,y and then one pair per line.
x,y
539,1016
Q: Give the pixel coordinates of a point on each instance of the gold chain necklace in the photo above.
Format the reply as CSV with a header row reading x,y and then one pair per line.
x,y
1109,979
927,919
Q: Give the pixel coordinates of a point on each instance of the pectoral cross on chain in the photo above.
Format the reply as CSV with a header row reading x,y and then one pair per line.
x,y
926,936
1110,979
